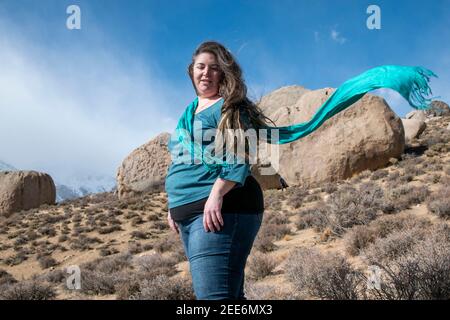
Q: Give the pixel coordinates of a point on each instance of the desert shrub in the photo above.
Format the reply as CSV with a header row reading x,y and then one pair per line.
x,y
161,225
393,176
272,217
76,217
136,221
393,245
312,198
47,231
84,243
261,265
255,290
385,225
156,264
439,203
139,235
349,206
16,258
135,247
56,276
110,229
312,218
6,278
166,243
131,215
31,235
63,238
275,231
138,206
264,243
152,217
107,251
358,238
447,170
324,276
47,262
112,264
21,240
378,174
435,167
403,197
406,177
164,288
433,178
295,199
413,169
422,272
27,290
99,283
113,221
329,187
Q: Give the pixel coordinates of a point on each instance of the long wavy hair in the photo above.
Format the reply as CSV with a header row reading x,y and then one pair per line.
x,y
236,104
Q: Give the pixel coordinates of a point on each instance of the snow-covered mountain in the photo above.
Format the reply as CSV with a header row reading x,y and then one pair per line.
x,y
77,186
6,167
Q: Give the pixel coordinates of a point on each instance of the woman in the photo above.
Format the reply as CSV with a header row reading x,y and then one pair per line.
x,y
218,214
218,206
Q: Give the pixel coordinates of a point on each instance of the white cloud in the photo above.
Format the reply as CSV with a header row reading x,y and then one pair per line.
x,y
241,48
337,37
76,119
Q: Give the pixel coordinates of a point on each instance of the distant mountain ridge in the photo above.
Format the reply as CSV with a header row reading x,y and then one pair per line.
x,y
6,167
75,187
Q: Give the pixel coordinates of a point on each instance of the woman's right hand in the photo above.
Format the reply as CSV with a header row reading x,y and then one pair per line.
x,y
172,223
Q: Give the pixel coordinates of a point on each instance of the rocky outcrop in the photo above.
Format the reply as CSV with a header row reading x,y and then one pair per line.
x,y
364,136
24,190
417,114
438,108
413,128
144,170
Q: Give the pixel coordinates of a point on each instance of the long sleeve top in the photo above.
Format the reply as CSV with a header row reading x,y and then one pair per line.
x,y
187,182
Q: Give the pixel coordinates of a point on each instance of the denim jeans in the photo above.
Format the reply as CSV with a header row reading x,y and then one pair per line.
x,y
217,259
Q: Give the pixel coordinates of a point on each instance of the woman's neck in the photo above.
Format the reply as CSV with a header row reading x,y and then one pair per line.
x,y
203,98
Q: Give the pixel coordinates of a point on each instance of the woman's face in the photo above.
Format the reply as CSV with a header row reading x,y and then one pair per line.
x,y
207,75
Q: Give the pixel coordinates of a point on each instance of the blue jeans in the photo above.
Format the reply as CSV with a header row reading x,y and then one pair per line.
x,y
217,259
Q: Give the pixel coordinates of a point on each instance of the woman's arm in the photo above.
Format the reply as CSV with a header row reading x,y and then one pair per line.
x,y
212,217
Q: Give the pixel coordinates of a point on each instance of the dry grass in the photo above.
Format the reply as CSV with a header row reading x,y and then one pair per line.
x,y
324,276
126,250
261,265
439,203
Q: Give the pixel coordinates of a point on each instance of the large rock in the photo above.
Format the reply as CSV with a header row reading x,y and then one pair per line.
x,y
23,190
145,169
272,181
364,136
438,108
417,114
413,128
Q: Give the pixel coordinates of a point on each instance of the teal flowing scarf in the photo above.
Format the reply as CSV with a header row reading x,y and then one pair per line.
x,y
410,82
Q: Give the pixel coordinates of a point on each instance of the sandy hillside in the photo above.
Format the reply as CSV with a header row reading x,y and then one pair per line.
x,y
312,240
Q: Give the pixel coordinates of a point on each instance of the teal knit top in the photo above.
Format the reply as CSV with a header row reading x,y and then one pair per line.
x,y
188,181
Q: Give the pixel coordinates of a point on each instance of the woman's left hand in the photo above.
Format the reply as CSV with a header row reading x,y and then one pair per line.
x,y
212,215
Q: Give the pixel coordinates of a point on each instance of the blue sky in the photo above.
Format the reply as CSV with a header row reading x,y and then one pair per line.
x,y
79,101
